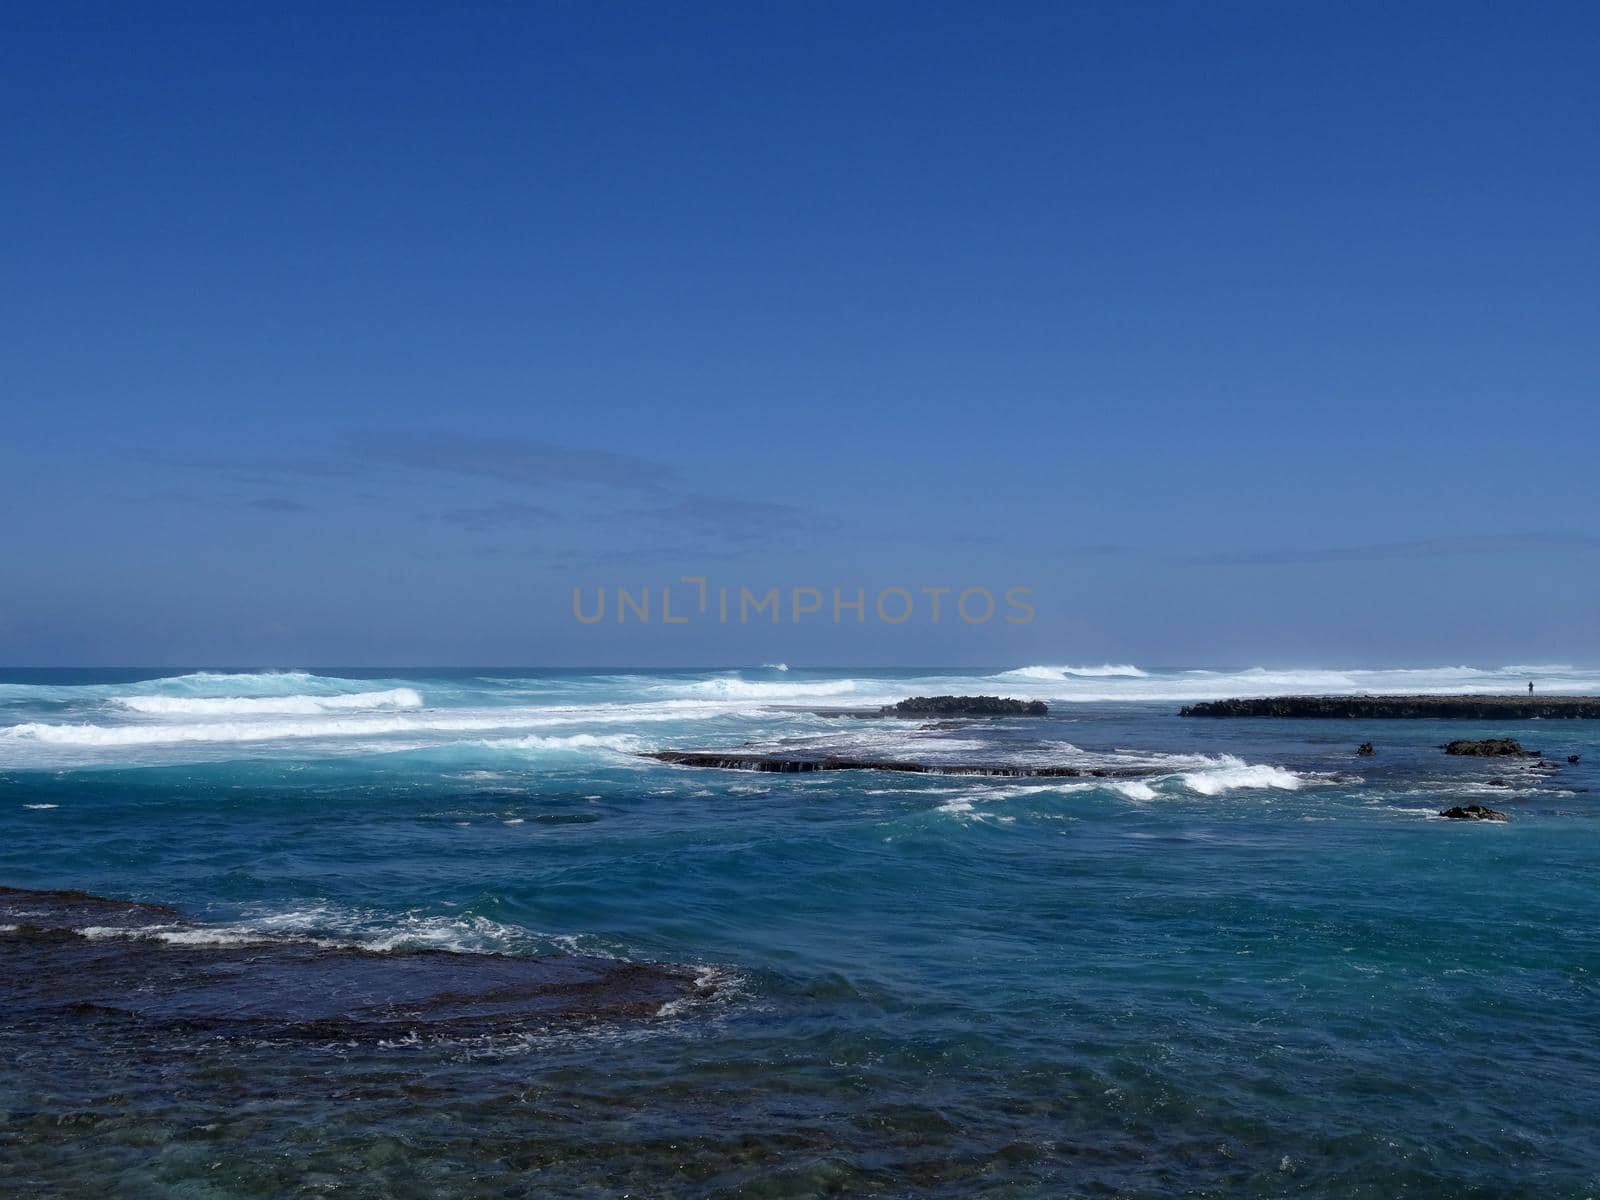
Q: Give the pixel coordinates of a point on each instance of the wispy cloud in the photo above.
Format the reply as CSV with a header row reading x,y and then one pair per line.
x,y
506,513
376,454
722,517
1103,550
508,460
278,504
658,508
1441,547
268,470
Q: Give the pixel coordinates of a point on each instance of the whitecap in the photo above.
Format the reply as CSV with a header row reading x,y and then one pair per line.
x,y
1103,671
1231,772
290,704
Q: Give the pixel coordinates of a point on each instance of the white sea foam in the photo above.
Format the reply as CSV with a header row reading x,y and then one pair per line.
x,y
176,935
333,726
246,683
965,808
708,979
252,705
622,743
210,937
732,687
1105,670
337,926
41,806
1230,772
1207,776
334,927
208,715
1113,683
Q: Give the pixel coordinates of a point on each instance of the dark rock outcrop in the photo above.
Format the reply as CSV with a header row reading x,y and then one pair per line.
x,y
965,706
1488,748
732,760
1473,812
1573,759
1432,708
1365,750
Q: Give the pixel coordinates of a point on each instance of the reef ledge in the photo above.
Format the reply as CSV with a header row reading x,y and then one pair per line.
x,y
1405,708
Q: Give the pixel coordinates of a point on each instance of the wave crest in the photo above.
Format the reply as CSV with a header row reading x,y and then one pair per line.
x,y
1052,674
1231,772
300,705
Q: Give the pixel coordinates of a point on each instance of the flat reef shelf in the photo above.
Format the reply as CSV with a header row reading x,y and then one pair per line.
x,y
1413,708
733,760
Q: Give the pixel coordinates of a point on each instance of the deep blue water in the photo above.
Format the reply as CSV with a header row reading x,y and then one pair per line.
x,y
1267,969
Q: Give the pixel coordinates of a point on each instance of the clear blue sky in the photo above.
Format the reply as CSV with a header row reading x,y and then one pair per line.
x,y
1240,333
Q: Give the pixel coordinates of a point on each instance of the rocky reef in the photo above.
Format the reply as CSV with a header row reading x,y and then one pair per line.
x,y
965,706
75,956
734,760
1416,708
1474,812
1488,748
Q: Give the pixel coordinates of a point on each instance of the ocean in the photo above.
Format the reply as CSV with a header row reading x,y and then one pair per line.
x,y
448,933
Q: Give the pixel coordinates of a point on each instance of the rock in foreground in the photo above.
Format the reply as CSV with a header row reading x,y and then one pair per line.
x,y
1473,812
965,706
73,956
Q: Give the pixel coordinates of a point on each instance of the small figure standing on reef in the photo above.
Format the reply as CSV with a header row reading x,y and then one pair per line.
x,y
1530,687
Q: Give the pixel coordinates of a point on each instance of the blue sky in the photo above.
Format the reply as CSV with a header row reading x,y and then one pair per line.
x,y
362,334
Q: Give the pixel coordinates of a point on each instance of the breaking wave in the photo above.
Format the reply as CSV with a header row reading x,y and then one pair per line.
x,y
1114,683
334,726
731,687
1231,772
622,743
1105,670
198,716
202,706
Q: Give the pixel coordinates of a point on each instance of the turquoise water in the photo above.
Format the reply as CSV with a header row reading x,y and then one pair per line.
x,y
1265,969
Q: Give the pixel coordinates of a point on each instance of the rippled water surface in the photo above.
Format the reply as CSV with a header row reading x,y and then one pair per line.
x,y
1257,966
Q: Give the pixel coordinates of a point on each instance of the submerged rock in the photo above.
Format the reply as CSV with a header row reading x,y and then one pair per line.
x,y
1473,812
965,706
1365,750
72,956
1489,748
1573,759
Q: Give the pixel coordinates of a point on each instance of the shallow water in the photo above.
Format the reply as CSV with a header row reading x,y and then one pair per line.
x,y
1268,969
